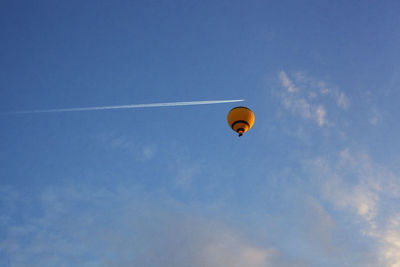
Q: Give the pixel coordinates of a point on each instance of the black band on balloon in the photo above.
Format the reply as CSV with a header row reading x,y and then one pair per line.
x,y
245,122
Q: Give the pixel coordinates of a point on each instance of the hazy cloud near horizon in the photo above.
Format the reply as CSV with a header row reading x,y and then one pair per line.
x,y
120,227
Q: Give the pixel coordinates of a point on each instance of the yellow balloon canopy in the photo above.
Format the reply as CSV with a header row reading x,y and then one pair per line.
x,y
240,119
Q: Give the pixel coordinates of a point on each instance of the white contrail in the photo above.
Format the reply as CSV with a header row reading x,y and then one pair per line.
x,y
169,104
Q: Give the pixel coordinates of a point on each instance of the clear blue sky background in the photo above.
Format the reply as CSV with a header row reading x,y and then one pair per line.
x,y
316,182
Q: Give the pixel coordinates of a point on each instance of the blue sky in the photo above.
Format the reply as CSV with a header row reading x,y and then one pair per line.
x,y
316,182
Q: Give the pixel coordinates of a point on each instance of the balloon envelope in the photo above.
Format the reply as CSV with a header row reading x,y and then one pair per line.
x,y
240,119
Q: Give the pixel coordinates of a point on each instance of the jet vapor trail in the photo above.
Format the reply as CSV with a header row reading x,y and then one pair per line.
x,y
169,104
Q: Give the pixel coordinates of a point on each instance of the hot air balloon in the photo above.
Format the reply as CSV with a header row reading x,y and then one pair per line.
x,y
240,119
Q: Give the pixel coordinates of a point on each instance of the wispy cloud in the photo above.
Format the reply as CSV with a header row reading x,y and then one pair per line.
x,y
148,151
342,100
287,83
375,116
305,96
185,176
369,192
140,151
320,224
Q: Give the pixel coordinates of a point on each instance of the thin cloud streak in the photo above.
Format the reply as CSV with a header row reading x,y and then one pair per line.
x,y
152,105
